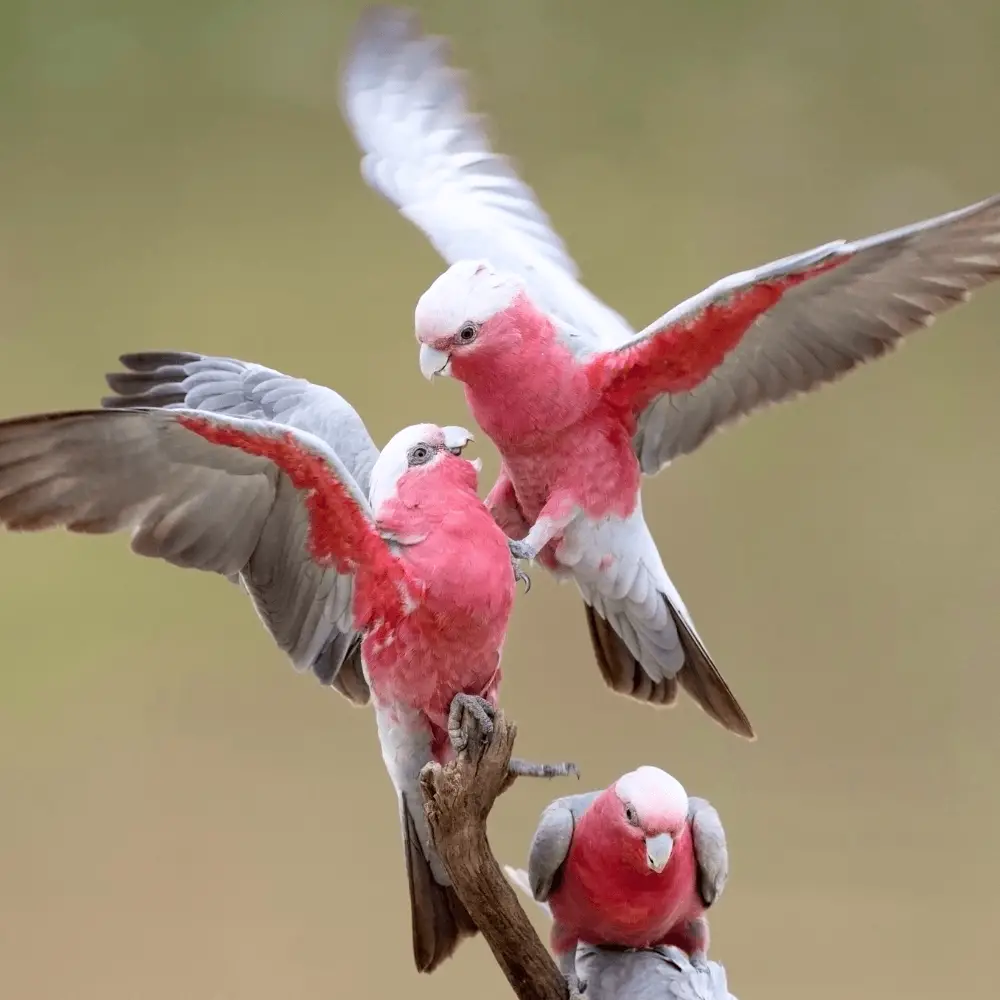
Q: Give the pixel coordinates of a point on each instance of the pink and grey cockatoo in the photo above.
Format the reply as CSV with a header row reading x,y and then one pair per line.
x,y
578,404
634,866
418,572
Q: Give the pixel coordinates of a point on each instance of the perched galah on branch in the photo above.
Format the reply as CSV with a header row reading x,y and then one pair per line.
x,y
578,404
417,573
634,866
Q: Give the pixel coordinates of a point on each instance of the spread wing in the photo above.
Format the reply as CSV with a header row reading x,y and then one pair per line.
x,y
229,387
431,158
886,287
550,845
710,849
173,379
208,492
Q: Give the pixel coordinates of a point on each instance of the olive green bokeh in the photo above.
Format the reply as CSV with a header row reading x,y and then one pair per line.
x,y
182,816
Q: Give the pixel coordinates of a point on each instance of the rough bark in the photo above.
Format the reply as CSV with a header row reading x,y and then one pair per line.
x,y
458,799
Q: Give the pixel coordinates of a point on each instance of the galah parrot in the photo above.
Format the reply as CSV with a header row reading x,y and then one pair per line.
x,y
418,572
633,866
578,404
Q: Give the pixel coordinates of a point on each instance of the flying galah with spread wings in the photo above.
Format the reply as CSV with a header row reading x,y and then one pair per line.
x,y
633,866
417,573
578,404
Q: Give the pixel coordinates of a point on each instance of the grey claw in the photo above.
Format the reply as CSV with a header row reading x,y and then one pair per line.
x,y
479,710
529,769
520,551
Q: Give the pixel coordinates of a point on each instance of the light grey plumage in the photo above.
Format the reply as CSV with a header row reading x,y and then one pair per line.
x,y
550,844
710,849
227,386
649,974
431,158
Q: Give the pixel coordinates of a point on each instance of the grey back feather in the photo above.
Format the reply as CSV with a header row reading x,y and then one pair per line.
x,y
648,974
551,842
710,849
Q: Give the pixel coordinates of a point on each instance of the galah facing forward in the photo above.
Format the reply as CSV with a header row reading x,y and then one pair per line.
x,y
578,404
634,866
418,572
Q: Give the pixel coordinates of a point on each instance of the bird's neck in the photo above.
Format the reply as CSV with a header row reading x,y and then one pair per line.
x,y
528,384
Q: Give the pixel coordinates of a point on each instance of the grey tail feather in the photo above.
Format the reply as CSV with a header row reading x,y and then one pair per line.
x,y
701,679
621,671
699,676
440,921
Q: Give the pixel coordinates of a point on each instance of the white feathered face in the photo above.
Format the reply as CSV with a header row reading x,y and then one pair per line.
x,y
654,807
421,446
453,315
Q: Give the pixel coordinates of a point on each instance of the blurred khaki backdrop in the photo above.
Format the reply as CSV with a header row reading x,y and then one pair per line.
x,y
182,816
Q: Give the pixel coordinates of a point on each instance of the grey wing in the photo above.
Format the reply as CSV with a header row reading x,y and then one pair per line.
x,y
888,286
193,503
235,388
648,974
551,841
286,587
431,158
710,850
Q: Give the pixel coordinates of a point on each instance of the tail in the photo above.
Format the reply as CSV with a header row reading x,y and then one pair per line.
x,y
518,877
624,672
701,679
440,921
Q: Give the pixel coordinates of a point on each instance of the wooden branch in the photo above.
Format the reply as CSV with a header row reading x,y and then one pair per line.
x,y
458,799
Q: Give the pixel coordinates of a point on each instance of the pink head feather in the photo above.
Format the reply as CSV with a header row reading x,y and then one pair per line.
x,y
658,799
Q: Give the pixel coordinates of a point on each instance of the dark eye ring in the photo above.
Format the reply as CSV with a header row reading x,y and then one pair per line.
x,y
631,815
468,333
419,454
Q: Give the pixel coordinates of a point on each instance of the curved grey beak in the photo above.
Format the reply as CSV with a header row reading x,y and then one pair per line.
x,y
433,362
658,850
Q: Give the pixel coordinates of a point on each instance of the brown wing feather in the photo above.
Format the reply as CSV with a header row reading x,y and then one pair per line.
x,y
621,671
440,922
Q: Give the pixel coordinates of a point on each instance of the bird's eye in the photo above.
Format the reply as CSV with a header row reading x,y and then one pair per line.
x,y
419,454
468,333
631,815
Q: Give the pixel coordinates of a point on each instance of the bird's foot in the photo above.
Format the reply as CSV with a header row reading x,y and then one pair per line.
x,y
470,724
520,552
529,769
574,986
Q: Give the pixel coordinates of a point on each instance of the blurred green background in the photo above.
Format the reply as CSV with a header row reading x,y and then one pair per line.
x,y
182,816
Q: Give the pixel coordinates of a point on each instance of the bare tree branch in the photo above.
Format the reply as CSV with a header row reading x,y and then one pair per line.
x,y
458,799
